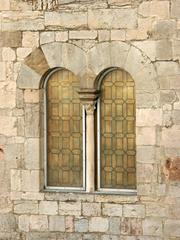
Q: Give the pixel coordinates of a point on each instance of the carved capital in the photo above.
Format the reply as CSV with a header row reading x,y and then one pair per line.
x,y
90,107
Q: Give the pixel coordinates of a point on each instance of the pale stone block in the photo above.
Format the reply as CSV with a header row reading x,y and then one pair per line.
x,y
146,136
57,223
118,35
154,9
145,154
38,223
31,96
148,117
91,209
2,71
25,207
112,18
15,180
146,173
61,36
152,227
32,121
47,37
167,97
23,223
30,180
136,211
119,3
7,99
171,137
70,208
163,50
163,29
175,9
15,195
172,228
83,34
148,47
22,53
31,149
103,35
7,223
66,19
48,207
4,5
30,39
23,21
32,196
8,54
98,224
114,210
114,225
156,210
9,126
174,191
176,49
81,225
69,223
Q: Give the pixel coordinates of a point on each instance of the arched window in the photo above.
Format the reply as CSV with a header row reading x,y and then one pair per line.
x,y
116,132
64,132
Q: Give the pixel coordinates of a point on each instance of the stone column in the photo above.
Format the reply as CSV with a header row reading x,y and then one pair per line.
x,y
88,98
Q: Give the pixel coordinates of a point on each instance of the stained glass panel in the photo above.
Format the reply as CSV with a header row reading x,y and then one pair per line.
x,y
64,131
117,137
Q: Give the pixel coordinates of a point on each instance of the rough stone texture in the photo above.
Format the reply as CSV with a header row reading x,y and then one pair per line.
x,y
98,224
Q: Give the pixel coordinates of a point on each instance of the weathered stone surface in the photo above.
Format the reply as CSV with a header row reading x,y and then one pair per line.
x,y
114,225
9,126
8,54
56,223
22,53
61,36
167,68
112,210
163,29
103,35
7,223
91,209
145,154
66,19
81,225
148,47
131,226
152,227
38,223
7,99
31,96
146,136
156,210
118,35
98,224
146,173
82,34
23,223
4,5
163,50
25,207
172,228
30,39
73,208
112,18
172,169
47,37
175,9
15,180
32,114
48,207
30,180
148,117
136,211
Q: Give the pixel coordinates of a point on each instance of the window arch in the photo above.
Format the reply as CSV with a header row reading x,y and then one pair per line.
x,y
116,145
64,162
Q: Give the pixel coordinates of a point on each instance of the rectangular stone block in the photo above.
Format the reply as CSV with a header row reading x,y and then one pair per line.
x,y
145,154
2,71
47,37
32,153
26,207
66,19
15,180
148,117
83,34
112,210
30,39
103,35
23,223
91,209
175,9
114,225
131,226
73,208
48,207
163,29
7,223
136,211
118,35
163,50
38,223
152,227
4,5
32,121
61,36
112,18
156,210
146,136
81,225
30,180
147,173
9,126
171,137
56,223
98,224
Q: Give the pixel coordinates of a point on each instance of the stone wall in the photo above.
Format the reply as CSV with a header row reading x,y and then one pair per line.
x,y
142,37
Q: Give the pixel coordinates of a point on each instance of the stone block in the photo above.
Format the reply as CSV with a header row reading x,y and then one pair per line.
x,y
145,154
22,53
83,34
146,136
69,223
112,210
172,169
47,37
167,68
81,225
7,223
15,180
114,225
103,35
163,50
23,21
156,210
172,228
9,126
112,18
7,99
2,71
176,49
159,10
171,137
73,208
152,227
32,196
148,47
32,153
8,54
61,36
32,121
136,211
175,9
30,39
30,180
118,35
91,209
163,29
4,5
119,2
146,173
98,224
23,223
131,226
26,207
48,207
66,19
38,223
148,117
31,96
56,223
11,39
174,82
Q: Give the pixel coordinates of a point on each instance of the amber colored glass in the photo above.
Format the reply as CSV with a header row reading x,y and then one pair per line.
x,y
64,131
117,134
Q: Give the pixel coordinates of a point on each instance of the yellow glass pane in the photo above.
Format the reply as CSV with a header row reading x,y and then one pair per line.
x,y
64,138
118,150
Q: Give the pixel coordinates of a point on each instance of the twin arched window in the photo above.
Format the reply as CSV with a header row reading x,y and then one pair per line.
x,y
115,113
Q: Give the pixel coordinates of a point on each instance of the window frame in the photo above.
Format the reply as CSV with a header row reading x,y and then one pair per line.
x,y
55,188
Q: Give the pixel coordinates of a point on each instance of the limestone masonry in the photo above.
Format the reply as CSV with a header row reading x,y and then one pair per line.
x,y
86,37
